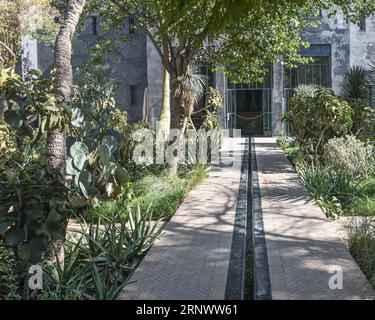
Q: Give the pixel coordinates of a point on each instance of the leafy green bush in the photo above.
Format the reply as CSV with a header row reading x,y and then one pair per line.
x,y
316,115
33,209
349,155
9,289
291,149
355,90
332,190
94,147
367,130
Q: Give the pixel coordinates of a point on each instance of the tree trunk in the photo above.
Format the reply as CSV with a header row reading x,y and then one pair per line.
x,y
176,118
56,140
178,103
165,113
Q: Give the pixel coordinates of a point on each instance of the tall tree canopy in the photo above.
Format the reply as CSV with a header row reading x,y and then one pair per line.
x,y
240,36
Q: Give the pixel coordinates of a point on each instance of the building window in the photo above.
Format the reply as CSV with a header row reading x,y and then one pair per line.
x,y
362,24
315,73
133,95
94,25
131,25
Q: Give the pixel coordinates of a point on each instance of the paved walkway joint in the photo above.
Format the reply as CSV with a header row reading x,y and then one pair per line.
x,y
303,246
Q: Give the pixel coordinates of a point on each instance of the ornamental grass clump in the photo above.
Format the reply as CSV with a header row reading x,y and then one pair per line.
x,y
349,155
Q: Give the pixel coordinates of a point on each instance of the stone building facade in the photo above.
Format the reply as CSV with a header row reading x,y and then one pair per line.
x,y
257,110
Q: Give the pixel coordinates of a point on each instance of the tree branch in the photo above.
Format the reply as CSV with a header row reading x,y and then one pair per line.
x,y
10,51
147,32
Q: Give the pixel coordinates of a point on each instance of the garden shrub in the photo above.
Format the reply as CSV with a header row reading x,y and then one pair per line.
x,y
33,208
316,115
291,149
349,155
8,277
332,190
362,206
101,257
355,90
362,247
367,130
94,147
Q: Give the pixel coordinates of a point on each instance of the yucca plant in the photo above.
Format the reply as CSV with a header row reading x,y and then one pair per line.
x,y
355,90
104,289
194,86
68,282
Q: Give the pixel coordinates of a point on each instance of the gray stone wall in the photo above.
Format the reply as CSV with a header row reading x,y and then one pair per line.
x,y
130,69
362,44
154,80
140,64
334,32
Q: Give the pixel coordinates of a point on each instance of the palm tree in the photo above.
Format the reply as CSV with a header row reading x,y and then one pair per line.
x,y
56,140
194,85
355,90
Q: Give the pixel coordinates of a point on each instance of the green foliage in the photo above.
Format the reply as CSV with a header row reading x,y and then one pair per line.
x,y
7,139
214,101
362,206
291,149
93,102
33,208
164,194
96,147
8,277
127,143
10,31
367,130
100,258
353,9
214,98
349,155
107,210
211,121
95,173
28,100
356,92
317,115
362,247
193,86
332,190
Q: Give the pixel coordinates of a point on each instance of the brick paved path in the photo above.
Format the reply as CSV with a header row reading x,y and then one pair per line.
x,y
191,259
301,243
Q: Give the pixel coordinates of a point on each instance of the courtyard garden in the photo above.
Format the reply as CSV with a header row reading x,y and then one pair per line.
x,y
85,193
332,149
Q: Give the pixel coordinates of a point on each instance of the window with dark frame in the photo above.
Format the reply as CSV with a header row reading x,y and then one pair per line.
x,y
133,95
131,25
94,25
362,24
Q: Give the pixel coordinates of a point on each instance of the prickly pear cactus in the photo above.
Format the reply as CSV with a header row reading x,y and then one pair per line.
x,y
96,174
